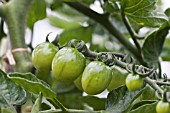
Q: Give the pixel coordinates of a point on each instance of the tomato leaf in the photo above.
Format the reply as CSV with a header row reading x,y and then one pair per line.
x,y
167,12
44,102
142,12
94,102
153,44
10,93
142,103
37,12
120,99
72,100
165,55
145,108
37,105
31,83
62,23
8,110
148,93
82,33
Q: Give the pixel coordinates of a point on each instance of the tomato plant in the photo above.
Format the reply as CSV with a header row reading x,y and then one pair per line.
x,y
116,36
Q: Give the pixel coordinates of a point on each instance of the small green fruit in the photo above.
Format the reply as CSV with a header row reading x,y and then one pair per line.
x,y
42,56
68,64
133,82
96,77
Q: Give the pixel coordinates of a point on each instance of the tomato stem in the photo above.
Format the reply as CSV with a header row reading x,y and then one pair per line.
x,y
14,13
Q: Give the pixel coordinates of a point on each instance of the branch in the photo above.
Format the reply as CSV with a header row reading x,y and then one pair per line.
x,y
152,83
14,13
131,31
116,59
103,20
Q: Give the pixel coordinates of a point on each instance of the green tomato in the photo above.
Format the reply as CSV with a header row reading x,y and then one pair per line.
x,y
68,64
78,83
42,56
96,77
163,107
118,79
133,82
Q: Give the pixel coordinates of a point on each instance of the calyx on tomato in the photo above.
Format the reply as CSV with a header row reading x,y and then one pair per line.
x,y
68,64
96,77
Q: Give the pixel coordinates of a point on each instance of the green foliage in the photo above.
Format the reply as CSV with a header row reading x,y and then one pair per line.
x,y
94,102
167,12
61,23
142,12
36,107
120,99
7,110
37,12
10,92
166,50
153,44
148,93
32,84
145,107
84,33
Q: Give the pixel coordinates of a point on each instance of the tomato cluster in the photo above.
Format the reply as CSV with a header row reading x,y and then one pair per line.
x,y
70,65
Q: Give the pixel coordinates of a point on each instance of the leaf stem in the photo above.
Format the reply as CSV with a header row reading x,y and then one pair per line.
x,y
57,104
131,31
159,70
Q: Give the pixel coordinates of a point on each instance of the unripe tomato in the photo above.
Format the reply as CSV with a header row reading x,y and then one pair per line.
x,y
163,107
77,82
68,64
42,56
118,79
133,82
96,77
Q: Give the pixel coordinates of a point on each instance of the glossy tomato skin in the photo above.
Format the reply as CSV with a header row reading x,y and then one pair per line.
x,y
133,82
96,77
42,56
68,64
118,79
77,82
163,107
